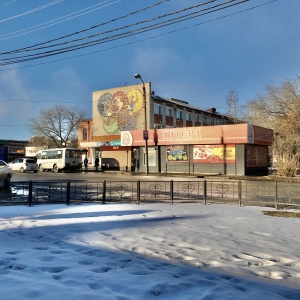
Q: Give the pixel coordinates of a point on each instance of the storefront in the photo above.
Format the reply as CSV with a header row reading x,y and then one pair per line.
x,y
240,149
112,156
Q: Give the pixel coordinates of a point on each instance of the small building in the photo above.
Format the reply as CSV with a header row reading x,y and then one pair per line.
x,y
136,110
14,149
238,149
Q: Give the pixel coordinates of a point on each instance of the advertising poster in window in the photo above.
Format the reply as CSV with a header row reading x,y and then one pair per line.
x,y
214,154
177,154
257,156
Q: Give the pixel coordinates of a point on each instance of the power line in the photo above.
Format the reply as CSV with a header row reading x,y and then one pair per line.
x,y
31,11
86,29
14,125
42,101
57,20
8,3
148,38
125,34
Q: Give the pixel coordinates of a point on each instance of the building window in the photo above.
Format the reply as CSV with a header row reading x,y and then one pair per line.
x,y
157,109
169,112
199,118
84,134
188,116
178,114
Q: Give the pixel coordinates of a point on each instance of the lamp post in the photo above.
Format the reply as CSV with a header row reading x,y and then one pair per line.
x,y
145,133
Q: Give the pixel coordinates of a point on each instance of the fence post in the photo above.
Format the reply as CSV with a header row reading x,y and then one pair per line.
x,y
172,190
68,192
276,195
205,191
138,190
104,192
240,192
30,193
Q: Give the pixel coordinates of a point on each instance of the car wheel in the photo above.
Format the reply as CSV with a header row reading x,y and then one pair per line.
x,y
41,168
55,168
35,171
22,170
7,180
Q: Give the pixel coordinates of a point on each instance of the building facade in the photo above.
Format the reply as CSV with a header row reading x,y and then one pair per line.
x,y
11,149
136,111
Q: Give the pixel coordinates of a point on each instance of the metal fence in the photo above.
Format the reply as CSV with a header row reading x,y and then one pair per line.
x,y
259,193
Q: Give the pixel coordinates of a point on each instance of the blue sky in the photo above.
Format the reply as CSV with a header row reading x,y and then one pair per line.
x,y
199,60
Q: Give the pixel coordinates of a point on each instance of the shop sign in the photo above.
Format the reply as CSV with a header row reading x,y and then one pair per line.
x,y
126,138
99,144
115,143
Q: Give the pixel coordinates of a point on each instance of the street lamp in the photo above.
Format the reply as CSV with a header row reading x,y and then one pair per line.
x,y
145,133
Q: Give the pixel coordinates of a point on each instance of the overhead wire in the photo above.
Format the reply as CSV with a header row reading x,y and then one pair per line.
x,y
90,28
56,21
148,38
8,3
32,10
124,34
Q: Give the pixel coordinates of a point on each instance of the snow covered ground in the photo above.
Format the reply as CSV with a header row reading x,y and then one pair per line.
x,y
149,251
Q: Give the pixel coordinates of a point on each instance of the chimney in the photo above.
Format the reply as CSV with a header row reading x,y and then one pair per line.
x,y
213,110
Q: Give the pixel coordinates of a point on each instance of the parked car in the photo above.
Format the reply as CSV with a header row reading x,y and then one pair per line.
x,y
24,165
5,172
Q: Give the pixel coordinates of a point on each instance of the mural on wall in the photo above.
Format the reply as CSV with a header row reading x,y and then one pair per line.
x,y
214,154
120,111
177,153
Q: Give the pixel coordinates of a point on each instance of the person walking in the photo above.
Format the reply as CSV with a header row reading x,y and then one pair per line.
x,y
96,163
85,162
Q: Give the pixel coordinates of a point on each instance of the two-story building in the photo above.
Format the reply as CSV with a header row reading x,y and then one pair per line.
x,y
133,129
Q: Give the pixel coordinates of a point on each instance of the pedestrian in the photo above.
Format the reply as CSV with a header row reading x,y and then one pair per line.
x,y
133,162
85,162
96,163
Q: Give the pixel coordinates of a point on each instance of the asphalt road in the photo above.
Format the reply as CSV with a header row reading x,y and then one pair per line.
x,y
96,176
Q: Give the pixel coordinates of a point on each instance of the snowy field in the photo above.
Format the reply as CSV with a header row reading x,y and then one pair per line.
x,y
151,251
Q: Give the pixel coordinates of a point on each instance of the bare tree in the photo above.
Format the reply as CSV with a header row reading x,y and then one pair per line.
x,y
232,100
58,124
279,109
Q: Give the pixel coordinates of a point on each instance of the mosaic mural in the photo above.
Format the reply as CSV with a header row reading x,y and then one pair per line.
x,y
120,111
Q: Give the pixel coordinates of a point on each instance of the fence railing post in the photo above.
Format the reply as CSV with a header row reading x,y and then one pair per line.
x,y
30,193
138,191
276,195
205,191
104,192
240,192
68,192
172,190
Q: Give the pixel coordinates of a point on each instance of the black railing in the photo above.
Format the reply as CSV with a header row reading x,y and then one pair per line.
x,y
259,193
